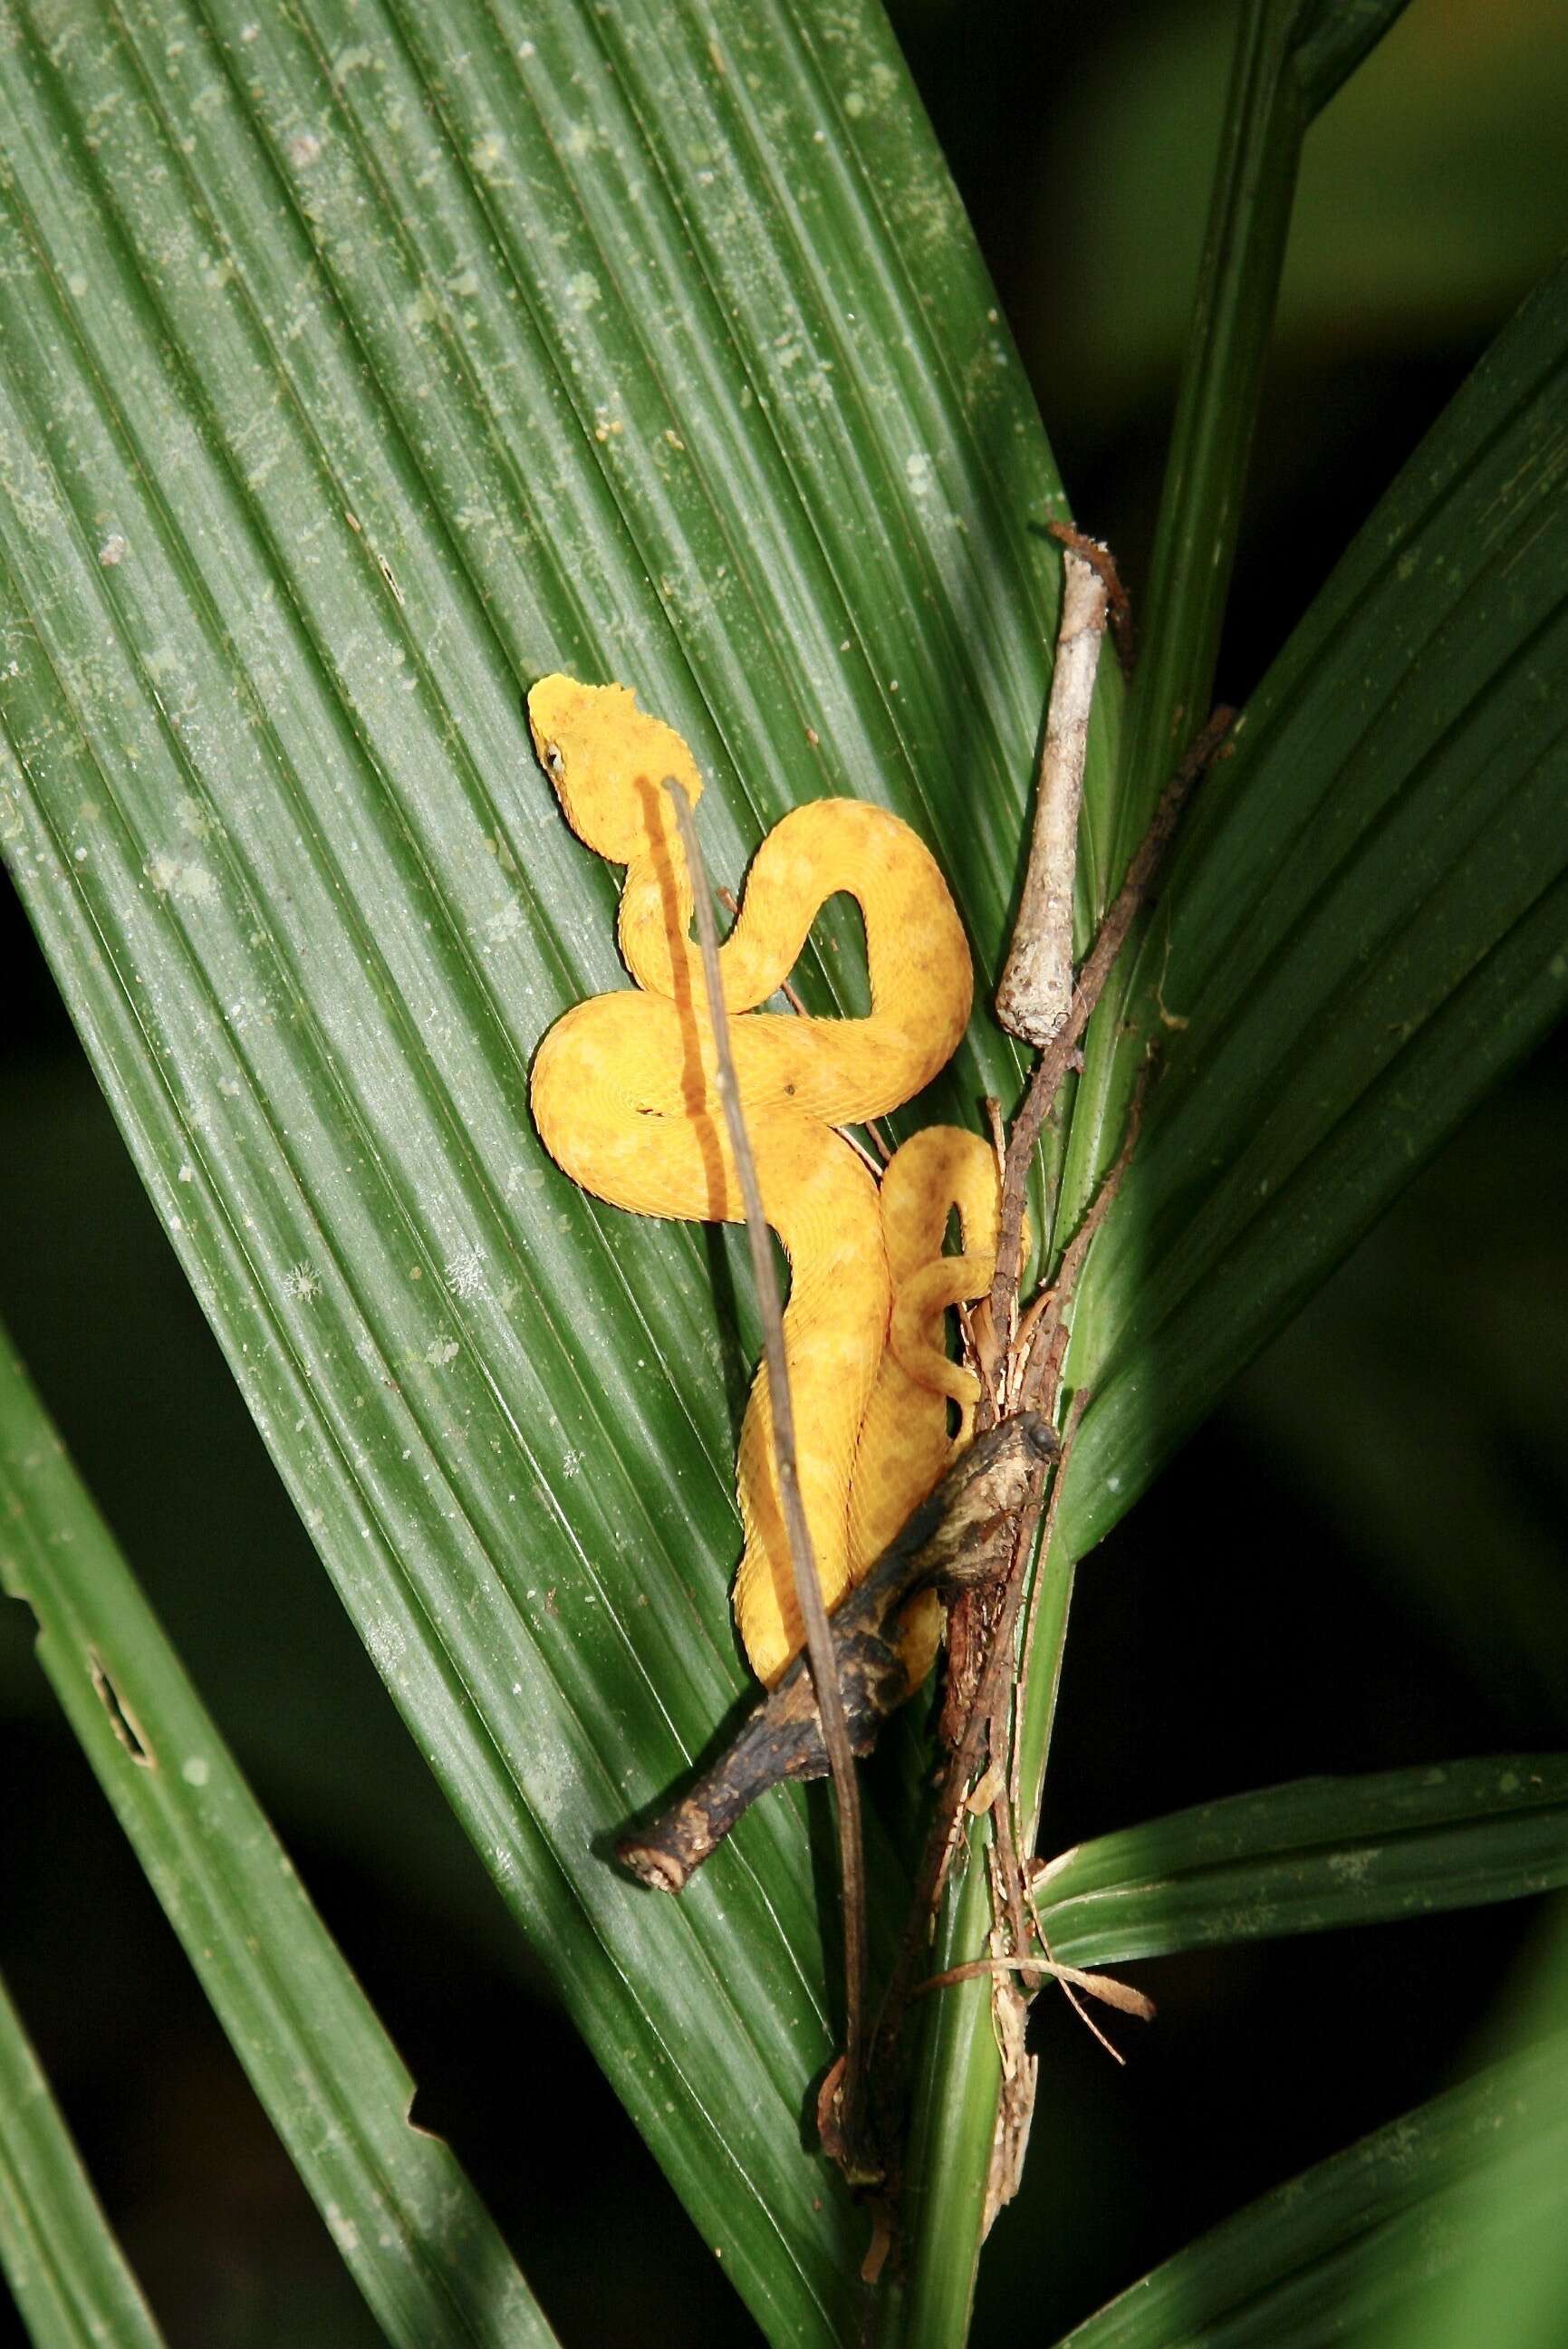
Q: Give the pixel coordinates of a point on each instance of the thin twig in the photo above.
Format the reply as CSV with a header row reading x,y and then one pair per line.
x,y
949,1542
1034,992
1007,1875
1105,1987
948,1818
1094,550
1090,2025
808,1589
1048,1336
873,1166
1007,1694
998,1644
1060,1054
1042,1377
1042,1567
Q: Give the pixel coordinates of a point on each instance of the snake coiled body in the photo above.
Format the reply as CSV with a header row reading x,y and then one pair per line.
x,y
623,1097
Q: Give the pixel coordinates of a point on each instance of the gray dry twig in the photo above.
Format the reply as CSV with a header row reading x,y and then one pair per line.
x,y
1035,993
808,1587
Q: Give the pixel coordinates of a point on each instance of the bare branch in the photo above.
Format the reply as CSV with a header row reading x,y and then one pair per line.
x,y
1105,1987
1094,550
1034,995
1060,1054
948,1543
1026,1829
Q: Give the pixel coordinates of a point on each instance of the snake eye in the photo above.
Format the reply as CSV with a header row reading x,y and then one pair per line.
x,y
552,758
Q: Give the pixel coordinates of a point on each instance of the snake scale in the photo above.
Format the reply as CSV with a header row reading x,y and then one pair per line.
x,y
624,1098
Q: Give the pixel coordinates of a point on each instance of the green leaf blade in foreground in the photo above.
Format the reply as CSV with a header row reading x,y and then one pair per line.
x,y
1309,1856
1342,2251
57,2252
360,367
419,2242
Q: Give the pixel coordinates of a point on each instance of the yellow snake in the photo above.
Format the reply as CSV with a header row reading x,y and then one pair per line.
x,y
624,1098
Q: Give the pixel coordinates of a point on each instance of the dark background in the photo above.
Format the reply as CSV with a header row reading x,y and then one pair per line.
x,y
1358,1565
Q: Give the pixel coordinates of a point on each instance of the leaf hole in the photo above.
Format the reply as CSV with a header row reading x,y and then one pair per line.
x,y
121,1720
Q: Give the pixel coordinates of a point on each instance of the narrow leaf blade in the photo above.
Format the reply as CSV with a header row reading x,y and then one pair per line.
x,y
1339,2251
1320,1853
417,2239
58,2250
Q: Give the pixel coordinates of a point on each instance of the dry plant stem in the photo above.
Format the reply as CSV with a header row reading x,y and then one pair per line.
x,y
982,1682
1034,994
948,1816
808,1589
1044,1333
1094,551
969,1752
1026,1831
1042,1376
1007,1875
999,1703
953,1538
1059,1055
1102,1986
873,1166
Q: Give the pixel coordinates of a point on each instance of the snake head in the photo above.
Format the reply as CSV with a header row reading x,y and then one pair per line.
x,y
608,760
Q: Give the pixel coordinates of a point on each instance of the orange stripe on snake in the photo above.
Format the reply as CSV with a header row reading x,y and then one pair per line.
x,y
624,1098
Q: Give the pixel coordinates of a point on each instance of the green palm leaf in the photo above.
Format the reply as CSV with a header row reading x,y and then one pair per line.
x,y
421,2244
1367,2243
1302,1858
58,2250
384,396
1443,2229
361,365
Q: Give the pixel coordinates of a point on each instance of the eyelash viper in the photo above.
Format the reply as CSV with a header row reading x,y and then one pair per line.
x,y
623,1095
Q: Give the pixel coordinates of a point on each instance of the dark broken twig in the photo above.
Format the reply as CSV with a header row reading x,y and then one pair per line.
x,y
949,1543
